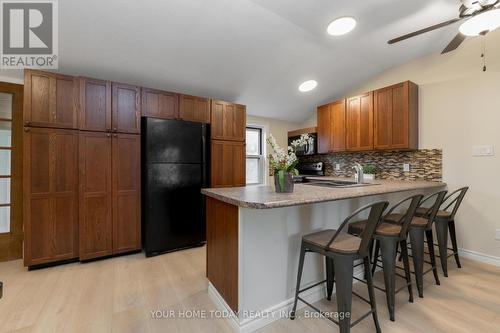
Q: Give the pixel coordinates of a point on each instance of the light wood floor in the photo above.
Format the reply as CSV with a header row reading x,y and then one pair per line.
x,y
118,295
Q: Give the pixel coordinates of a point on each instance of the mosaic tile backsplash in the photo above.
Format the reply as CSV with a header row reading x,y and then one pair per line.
x,y
425,164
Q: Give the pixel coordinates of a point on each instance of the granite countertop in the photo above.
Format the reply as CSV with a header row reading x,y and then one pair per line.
x,y
263,197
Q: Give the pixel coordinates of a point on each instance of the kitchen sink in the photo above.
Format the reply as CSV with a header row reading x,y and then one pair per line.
x,y
335,183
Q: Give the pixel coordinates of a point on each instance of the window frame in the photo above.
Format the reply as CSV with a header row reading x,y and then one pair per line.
x,y
261,157
3,205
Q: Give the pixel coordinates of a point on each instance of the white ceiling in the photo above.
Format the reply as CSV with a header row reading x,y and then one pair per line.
x,y
255,52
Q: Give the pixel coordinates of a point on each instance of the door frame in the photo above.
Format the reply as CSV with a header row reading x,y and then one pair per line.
x,y
11,244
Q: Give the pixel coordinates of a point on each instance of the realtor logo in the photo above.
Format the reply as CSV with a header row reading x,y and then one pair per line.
x,y
29,34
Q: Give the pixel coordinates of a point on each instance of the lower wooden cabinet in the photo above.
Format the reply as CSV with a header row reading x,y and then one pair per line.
x,y
109,194
50,202
228,167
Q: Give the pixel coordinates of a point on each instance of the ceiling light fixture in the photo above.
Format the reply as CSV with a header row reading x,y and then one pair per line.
x,y
341,26
481,24
308,85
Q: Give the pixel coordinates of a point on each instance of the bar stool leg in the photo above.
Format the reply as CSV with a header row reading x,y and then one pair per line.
x,y
388,248
417,251
375,256
453,237
343,266
299,277
406,263
330,276
442,239
430,240
371,293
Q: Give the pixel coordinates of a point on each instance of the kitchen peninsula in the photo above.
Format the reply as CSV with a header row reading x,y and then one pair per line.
x,y
253,241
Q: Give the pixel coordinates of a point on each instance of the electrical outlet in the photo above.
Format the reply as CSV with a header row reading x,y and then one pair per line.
x,y
337,166
406,167
486,150
497,234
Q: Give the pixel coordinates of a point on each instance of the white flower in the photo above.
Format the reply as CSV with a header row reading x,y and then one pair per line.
x,y
281,159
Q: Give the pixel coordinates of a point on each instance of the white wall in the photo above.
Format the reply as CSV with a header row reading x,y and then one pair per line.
x,y
459,106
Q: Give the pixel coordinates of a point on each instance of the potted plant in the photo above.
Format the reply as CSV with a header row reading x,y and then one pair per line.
x,y
369,172
283,162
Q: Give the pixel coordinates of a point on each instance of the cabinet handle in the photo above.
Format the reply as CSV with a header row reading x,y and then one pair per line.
x,y
115,135
26,129
114,129
26,123
108,135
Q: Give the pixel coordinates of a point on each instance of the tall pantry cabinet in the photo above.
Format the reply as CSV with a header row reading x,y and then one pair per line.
x,y
81,168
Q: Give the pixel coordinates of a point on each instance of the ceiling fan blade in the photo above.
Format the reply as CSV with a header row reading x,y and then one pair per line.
x,y
423,31
455,42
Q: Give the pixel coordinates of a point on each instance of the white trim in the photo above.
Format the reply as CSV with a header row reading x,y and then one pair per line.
x,y
478,256
312,295
263,157
11,79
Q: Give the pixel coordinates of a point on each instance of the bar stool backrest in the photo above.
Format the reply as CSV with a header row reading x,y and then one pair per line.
x,y
439,196
454,199
376,210
407,217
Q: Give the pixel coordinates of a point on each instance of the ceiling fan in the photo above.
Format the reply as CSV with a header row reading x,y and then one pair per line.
x,y
482,16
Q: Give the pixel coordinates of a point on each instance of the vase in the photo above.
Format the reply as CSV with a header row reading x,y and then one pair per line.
x,y
283,181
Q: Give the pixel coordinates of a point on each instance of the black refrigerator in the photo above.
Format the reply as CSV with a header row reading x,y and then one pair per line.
x,y
174,169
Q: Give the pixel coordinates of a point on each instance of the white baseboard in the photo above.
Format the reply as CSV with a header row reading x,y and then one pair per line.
x,y
478,256
274,312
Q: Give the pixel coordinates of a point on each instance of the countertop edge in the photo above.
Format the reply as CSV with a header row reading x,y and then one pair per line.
x,y
271,205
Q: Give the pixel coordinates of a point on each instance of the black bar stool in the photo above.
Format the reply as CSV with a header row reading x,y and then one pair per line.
x,y
418,227
387,237
342,250
444,222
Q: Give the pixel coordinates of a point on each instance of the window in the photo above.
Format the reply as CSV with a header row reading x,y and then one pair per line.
x,y
255,155
5,151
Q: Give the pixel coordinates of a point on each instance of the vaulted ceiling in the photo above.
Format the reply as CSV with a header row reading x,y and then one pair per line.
x,y
254,52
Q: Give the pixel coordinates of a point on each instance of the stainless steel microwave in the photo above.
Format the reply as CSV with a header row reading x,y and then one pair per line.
x,y
308,149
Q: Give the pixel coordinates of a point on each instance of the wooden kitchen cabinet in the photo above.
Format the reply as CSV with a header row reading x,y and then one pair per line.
x,y
159,104
228,121
50,100
228,164
359,123
324,129
94,105
396,116
126,192
109,194
126,108
192,108
96,225
50,195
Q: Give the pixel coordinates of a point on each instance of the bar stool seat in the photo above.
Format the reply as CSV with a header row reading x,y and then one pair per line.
x,y
383,229
344,243
415,222
422,211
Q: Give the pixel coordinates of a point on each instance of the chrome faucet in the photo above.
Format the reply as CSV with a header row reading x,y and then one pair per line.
x,y
359,171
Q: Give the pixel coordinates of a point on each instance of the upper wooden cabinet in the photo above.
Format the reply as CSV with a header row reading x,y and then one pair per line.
x,y
228,164
338,125
396,117
95,105
50,195
126,115
159,104
192,108
324,129
359,123
50,100
228,121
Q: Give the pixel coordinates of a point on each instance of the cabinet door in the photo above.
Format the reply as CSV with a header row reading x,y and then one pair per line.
x,y
95,105
95,195
324,129
228,121
400,129
126,108
50,195
126,192
383,121
228,164
159,104
338,125
359,123
50,100
192,108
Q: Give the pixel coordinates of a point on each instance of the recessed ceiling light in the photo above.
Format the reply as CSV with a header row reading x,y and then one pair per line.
x,y
481,23
308,85
341,26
